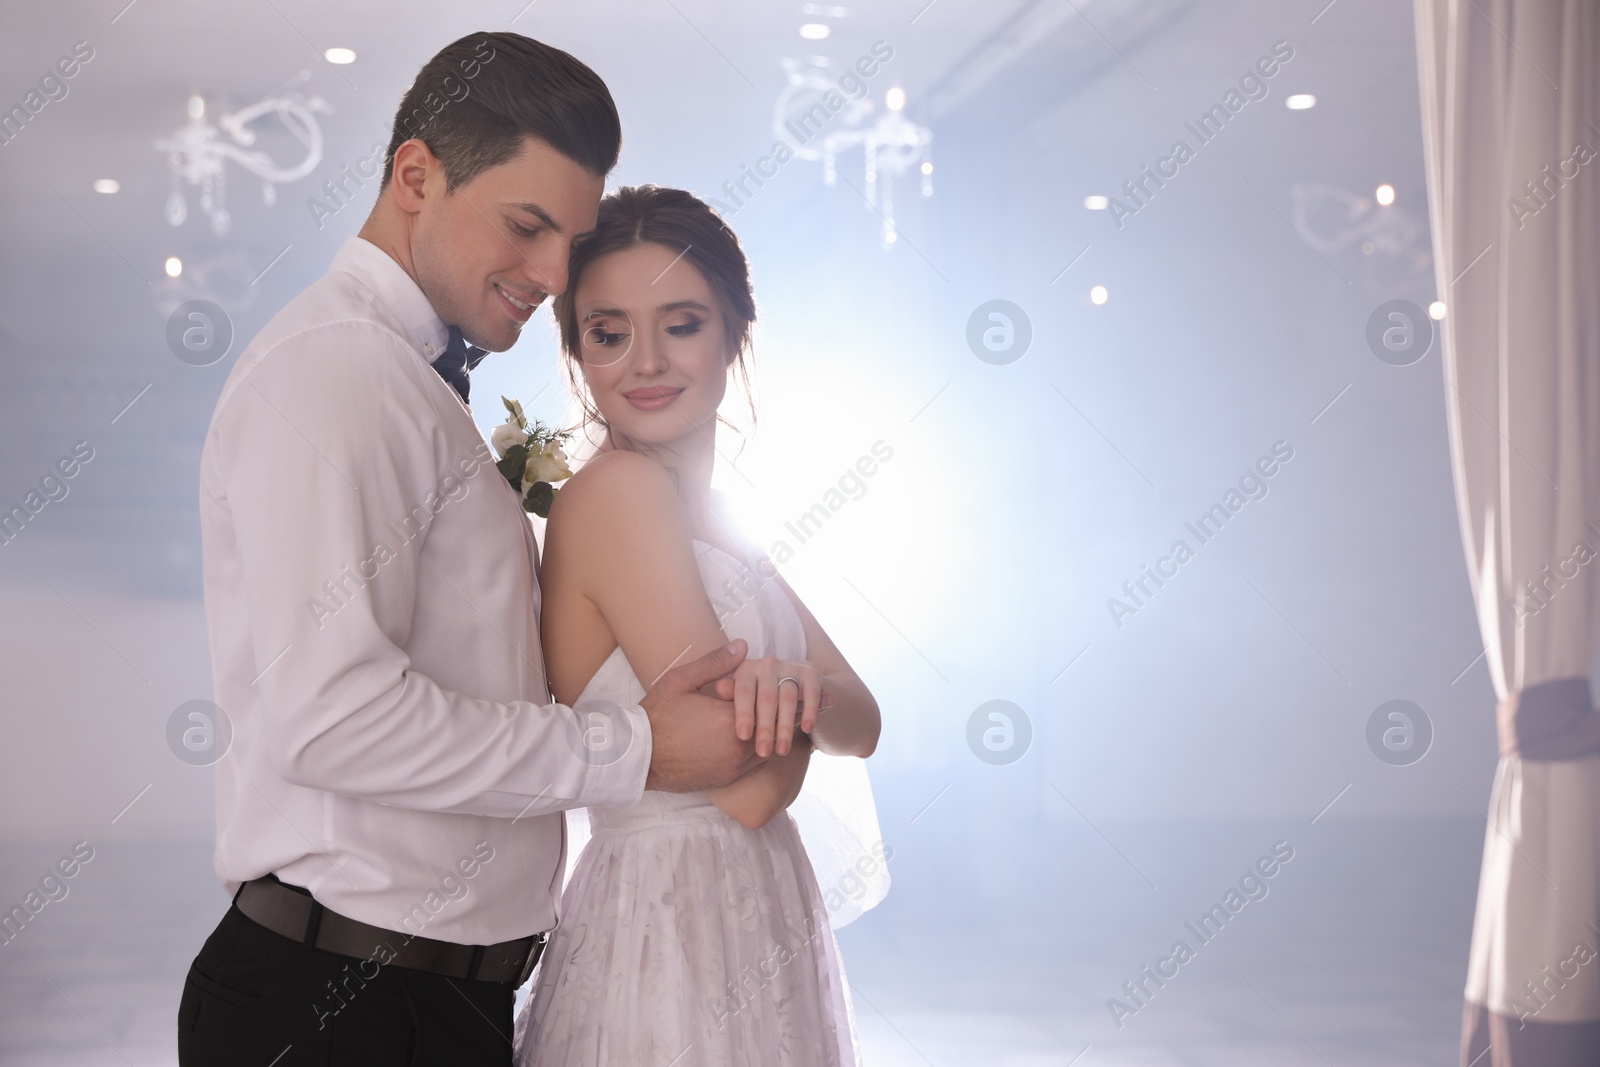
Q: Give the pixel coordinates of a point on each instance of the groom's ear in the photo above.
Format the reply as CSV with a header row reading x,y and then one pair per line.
x,y
414,165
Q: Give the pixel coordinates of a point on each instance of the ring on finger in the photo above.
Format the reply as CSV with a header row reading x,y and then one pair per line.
x,y
788,678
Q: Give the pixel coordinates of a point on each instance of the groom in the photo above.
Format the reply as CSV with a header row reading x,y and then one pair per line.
x,y
389,814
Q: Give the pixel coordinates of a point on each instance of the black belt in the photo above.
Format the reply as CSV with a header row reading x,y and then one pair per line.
x,y
291,912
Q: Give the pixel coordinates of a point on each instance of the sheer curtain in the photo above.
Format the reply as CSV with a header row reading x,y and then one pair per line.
x,y
1509,114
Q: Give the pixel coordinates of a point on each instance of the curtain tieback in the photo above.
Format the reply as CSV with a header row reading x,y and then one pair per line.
x,y
1552,720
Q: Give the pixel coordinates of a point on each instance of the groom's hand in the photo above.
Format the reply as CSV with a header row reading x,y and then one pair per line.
x,y
695,744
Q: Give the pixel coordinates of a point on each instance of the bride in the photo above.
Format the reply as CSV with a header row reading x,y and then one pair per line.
x,y
693,929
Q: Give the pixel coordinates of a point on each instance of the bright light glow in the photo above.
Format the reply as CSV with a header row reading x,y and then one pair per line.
x,y
815,31
107,186
340,55
1385,194
1436,310
927,166
1099,295
174,266
788,469
1096,202
1300,102
895,99
197,107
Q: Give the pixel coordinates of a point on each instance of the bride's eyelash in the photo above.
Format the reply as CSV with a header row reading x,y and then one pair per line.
x,y
687,329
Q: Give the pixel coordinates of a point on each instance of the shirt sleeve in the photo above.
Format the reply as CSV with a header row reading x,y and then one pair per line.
x,y
319,446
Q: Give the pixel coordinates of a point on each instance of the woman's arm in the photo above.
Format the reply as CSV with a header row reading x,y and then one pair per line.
x,y
618,538
619,569
851,725
767,790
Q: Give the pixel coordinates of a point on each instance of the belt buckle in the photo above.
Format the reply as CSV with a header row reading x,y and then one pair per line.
x,y
535,950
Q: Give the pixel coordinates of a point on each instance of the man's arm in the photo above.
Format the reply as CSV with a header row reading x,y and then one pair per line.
x,y
332,438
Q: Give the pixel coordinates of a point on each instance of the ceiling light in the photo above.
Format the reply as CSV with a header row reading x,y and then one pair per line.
x,y
340,56
815,31
1096,202
1099,295
107,186
1385,194
1436,310
1300,102
174,266
895,99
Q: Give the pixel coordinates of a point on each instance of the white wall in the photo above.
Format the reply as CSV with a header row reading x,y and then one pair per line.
x,y
85,728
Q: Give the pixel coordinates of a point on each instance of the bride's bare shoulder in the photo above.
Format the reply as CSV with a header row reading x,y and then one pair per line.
x,y
613,492
608,478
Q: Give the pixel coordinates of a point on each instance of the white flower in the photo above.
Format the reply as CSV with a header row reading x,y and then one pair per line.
x,y
506,435
553,450
547,465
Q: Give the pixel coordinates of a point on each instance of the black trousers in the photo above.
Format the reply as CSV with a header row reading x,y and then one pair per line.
x,y
254,998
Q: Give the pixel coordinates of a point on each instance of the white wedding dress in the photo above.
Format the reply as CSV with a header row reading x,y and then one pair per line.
x,y
687,939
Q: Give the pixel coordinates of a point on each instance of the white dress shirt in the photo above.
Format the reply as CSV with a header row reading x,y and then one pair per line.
x,y
372,602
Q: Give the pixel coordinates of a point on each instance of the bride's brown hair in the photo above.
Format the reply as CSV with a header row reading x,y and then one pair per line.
x,y
650,214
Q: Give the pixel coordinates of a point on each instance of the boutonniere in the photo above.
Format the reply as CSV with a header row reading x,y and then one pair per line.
x,y
531,458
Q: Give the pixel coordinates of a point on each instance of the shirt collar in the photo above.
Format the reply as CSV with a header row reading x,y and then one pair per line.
x,y
388,280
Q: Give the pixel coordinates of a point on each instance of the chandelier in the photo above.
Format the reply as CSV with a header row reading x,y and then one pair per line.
x,y
891,145
200,150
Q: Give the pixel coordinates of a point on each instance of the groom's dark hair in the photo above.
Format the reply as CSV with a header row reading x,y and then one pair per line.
x,y
475,102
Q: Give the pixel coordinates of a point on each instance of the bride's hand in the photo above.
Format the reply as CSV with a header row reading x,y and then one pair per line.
x,y
766,710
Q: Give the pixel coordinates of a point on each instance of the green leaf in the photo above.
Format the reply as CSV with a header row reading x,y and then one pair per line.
x,y
539,498
544,435
513,464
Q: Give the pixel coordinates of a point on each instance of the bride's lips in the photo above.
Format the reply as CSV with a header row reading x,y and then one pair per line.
x,y
522,313
654,398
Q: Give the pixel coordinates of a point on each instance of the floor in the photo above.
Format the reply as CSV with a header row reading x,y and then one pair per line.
x,y
1003,953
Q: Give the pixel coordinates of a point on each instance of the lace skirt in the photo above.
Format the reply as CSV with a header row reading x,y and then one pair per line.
x,y
687,939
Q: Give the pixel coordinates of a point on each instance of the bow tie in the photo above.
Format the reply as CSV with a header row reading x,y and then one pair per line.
x,y
458,358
